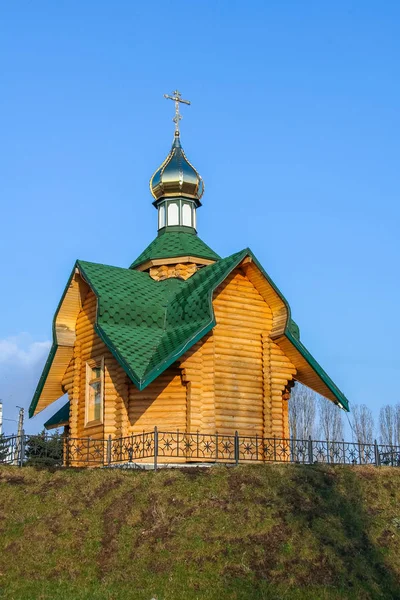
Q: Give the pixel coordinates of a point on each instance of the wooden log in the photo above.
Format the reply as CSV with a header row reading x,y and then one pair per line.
x,y
232,340
242,304
249,318
238,343
236,364
238,353
244,388
230,330
240,422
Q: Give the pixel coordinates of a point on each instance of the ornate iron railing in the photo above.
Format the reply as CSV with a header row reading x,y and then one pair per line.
x,y
176,446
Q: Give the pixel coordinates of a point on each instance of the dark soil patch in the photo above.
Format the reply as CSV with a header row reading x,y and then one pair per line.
x,y
12,479
114,519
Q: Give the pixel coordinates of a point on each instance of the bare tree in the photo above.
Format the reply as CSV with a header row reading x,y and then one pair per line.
x,y
330,419
387,425
363,424
397,424
302,411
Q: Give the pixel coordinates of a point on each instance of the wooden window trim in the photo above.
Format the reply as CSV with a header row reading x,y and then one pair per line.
x,y
90,364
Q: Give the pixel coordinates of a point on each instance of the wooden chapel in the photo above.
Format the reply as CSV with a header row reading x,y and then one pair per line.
x,y
182,339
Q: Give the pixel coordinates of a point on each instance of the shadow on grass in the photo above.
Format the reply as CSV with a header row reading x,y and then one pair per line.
x,y
329,503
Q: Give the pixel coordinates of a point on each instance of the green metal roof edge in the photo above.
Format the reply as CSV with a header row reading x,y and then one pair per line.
x,y
42,380
52,353
272,284
118,357
319,370
299,346
60,417
156,371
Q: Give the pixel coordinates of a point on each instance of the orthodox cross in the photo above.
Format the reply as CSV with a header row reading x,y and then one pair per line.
x,y
176,97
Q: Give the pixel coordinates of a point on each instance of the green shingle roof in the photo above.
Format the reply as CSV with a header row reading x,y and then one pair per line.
x,y
175,243
59,418
149,324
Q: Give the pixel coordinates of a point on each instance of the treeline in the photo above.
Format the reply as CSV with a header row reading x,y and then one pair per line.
x,y
311,415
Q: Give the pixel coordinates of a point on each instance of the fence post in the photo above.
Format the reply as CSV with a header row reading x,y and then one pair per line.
x,y
65,449
155,447
22,449
236,448
359,453
377,457
310,451
109,450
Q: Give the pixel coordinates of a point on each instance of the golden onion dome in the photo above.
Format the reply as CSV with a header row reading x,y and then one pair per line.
x,y
176,177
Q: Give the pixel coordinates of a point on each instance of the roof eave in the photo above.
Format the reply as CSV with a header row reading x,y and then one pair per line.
x,y
42,380
53,350
340,397
60,418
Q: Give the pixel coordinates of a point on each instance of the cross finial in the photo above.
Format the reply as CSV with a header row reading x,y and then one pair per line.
x,y
176,97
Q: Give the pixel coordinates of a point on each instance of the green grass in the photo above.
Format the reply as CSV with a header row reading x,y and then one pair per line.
x,y
251,532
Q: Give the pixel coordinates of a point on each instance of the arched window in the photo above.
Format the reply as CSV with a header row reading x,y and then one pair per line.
x,y
173,214
161,216
187,215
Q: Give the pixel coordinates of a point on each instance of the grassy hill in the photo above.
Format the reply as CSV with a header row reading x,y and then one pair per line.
x,y
251,532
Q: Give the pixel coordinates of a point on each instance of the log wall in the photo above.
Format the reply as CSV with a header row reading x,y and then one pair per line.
x,y
198,373
162,403
242,316
235,378
281,373
89,346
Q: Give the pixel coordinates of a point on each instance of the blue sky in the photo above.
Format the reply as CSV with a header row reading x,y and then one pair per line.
x,y
294,126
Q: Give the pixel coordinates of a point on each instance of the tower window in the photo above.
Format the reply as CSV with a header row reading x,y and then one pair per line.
x,y
187,215
173,214
94,391
161,216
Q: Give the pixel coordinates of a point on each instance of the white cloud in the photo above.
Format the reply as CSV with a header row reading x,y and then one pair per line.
x,y
21,363
22,350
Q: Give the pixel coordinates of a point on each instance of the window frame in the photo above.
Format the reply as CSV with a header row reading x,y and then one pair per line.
x,y
189,205
194,217
162,215
176,204
91,364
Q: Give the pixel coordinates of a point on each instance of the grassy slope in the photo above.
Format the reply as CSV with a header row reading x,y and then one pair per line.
x,y
252,532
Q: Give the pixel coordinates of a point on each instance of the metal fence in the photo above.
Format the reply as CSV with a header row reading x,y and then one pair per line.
x,y
156,447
